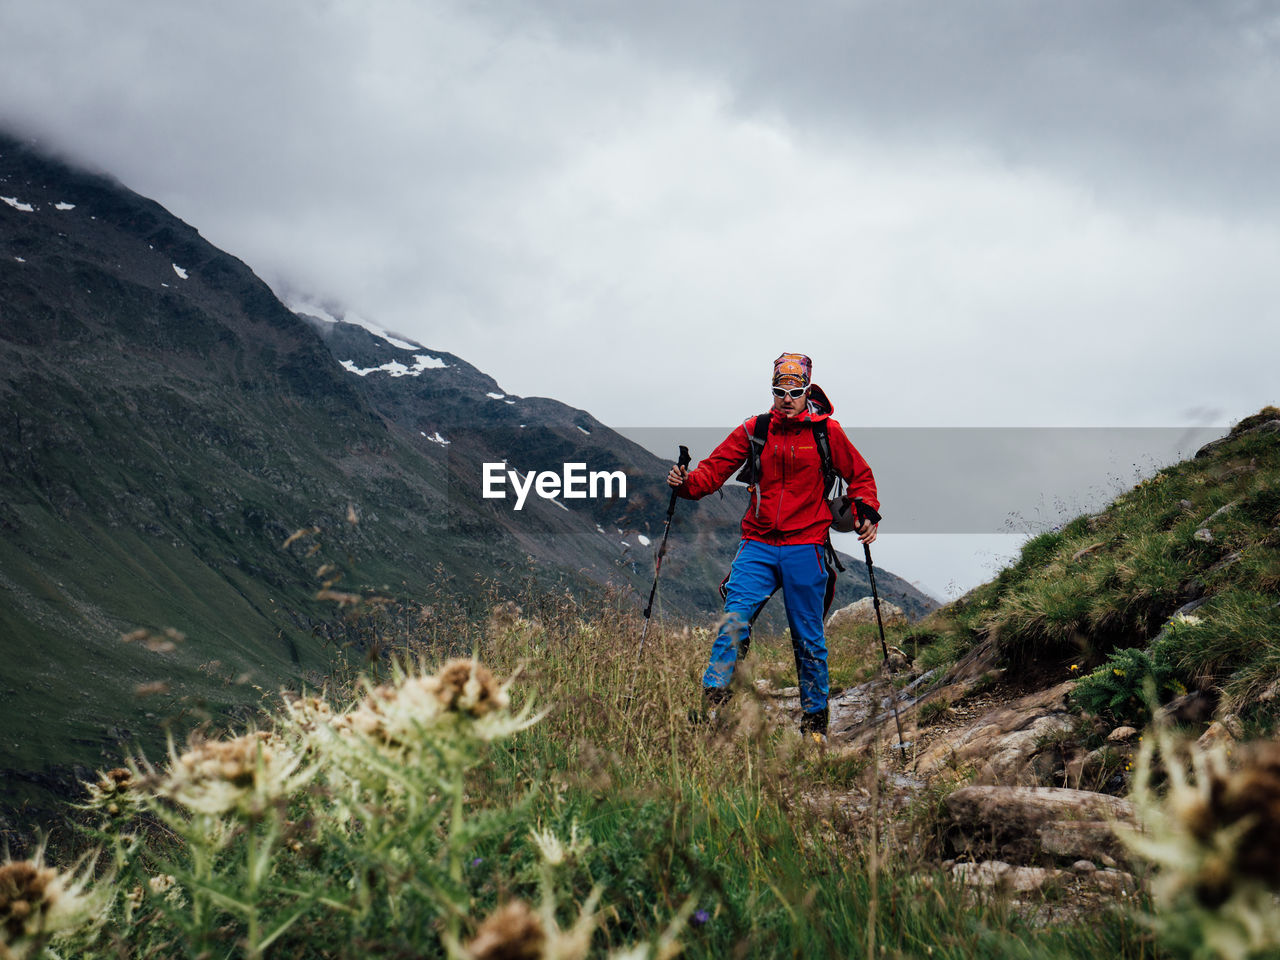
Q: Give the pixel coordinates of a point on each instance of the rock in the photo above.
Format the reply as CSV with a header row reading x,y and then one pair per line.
x,y
1217,734
1268,426
1192,589
1226,561
1186,506
864,611
1084,866
767,689
1099,768
1085,551
1121,735
1234,726
1012,752
1187,608
1190,708
1003,741
1081,839
1003,876
1221,511
1009,821
1115,882
1204,535
1269,694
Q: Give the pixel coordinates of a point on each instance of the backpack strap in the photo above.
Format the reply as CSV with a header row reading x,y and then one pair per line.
x,y
832,483
757,436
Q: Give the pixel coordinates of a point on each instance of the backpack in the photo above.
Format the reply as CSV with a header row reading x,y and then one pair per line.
x,y
843,518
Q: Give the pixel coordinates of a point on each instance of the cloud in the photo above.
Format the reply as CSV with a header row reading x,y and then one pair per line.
x,y
988,213
1168,102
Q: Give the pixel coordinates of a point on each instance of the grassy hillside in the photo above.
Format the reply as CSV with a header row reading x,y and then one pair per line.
x,y
1201,537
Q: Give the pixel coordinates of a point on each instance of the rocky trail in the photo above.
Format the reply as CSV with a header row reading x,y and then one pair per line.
x,y
1026,809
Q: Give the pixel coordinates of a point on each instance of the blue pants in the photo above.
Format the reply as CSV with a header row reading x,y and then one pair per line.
x,y
758,570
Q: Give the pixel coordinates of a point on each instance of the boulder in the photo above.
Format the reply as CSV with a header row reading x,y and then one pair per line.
x,y
1010,822
1004,876
1121,735
1092,840
1217,734
1190,708
1115,882
864,611
1002,742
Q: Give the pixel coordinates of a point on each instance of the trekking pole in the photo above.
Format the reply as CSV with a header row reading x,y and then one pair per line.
x,y
868,513
662,552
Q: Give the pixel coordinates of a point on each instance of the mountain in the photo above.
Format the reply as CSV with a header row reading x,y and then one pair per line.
x,y
187,461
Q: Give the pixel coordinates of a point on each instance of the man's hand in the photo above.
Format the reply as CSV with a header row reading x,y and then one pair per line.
x,y
677,476
866,531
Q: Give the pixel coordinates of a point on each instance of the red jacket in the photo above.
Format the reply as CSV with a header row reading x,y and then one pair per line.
x,y
788,505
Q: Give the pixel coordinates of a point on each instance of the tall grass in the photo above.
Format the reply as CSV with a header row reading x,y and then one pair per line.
x,y
613,823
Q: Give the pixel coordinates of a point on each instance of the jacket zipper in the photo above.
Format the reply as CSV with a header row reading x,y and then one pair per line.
x,y
782,487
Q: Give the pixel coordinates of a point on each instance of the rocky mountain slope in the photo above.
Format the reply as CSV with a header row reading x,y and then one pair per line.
x,y
187,462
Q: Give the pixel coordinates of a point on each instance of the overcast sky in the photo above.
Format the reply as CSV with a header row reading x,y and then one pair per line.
x,y
1000,213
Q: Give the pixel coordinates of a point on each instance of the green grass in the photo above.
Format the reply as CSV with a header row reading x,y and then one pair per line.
x,y
745,823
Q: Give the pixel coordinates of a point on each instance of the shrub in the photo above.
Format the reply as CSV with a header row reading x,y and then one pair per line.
x,y
1116,689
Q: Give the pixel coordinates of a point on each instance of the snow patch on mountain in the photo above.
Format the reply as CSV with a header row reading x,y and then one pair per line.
x,y
179,271
64,206
495,396
436,438
395,368
18,204
584,430
378,331
313,309
644,541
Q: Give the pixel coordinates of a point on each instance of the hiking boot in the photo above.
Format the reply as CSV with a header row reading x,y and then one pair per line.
x,y
713,703
815,724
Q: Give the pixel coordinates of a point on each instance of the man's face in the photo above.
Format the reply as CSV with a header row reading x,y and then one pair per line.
x,y
787,405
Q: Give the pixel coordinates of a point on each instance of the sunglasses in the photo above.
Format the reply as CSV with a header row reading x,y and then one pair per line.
x,y
795,393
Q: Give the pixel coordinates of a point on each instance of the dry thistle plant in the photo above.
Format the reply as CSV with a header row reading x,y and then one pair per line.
x,y
39,903
1213,837
246,774
358,819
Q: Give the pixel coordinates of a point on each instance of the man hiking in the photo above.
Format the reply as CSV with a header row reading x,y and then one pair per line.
x,y
785,529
